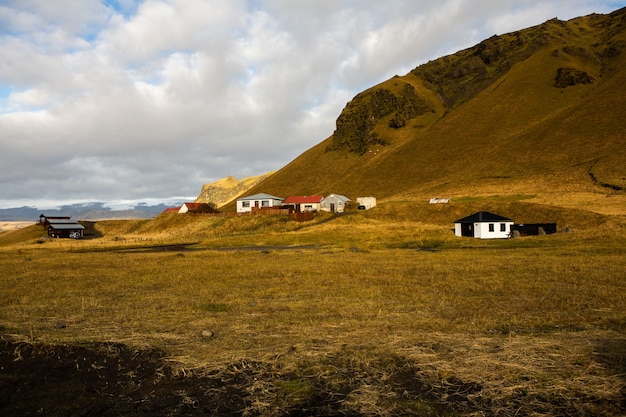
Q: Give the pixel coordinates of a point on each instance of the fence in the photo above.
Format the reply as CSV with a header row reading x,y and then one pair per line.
x,y
265,211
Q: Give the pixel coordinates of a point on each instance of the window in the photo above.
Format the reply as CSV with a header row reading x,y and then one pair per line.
x,y
492,227
245,204
503,227
265,203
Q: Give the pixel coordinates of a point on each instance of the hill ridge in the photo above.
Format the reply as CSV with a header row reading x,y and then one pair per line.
x,y
539,111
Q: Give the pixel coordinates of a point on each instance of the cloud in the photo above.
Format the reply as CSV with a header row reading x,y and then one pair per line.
x,y
130,100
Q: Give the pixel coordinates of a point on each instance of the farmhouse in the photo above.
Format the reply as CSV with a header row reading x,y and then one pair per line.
x,y
61,226
484,225
245,204
304,204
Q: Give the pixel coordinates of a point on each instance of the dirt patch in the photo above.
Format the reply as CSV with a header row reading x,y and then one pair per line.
x,y
105,380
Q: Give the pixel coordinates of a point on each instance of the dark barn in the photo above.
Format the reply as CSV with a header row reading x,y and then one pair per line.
x,y
534,229
66,230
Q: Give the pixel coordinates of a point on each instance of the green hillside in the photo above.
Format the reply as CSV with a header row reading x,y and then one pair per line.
x,y
540,112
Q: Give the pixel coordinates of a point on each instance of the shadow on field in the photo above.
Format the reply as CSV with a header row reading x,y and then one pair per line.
x,y
611,353
108,379
90,231
113,380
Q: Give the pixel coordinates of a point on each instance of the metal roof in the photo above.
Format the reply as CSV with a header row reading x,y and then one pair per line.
x,y
338,197
303,199
483,216
66,226
261,196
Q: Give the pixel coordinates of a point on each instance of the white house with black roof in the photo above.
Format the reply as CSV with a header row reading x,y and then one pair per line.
x,y
484,225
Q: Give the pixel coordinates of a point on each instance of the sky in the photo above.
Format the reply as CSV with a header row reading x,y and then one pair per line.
x,y
125,101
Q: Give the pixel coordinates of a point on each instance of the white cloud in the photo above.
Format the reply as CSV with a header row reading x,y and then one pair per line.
x,y
124,99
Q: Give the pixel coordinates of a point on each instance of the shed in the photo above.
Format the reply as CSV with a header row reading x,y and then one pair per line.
x,y
66,230
45,220
335,203
262,200
484,225
304,203
530,229
366,203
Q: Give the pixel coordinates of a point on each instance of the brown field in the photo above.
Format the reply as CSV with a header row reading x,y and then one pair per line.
x,y
373,313
6,226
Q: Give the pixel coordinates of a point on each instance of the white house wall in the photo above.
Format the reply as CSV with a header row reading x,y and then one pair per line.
x,y
257,203
481,230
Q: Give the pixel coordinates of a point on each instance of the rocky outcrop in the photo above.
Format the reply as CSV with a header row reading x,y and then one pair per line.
x,y
567,77
355,126
226,189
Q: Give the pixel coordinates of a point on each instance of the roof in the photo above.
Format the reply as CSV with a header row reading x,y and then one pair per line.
x,y
303,199
171,210
200,207
66,226
338,197
191,206
50,220
483,216
261,196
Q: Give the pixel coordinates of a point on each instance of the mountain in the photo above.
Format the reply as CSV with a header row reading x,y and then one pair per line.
x,y
540,111
82,211
226,189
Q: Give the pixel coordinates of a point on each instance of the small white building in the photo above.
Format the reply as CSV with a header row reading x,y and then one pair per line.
x,y
366,203
245,204
438,200
484,225
335,203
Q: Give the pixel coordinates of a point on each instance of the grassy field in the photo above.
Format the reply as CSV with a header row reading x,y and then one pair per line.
x,y
385,311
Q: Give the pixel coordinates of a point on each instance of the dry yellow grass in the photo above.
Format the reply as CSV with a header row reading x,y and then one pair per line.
x,y
369,305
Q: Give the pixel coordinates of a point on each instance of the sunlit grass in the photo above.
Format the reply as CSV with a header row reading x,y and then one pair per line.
x,y
539,314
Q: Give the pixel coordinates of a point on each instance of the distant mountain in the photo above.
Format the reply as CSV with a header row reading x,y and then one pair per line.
x,y
88,211
225,190
540,110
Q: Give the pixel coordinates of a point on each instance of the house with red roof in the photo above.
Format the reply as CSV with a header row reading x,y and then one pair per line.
x,y
171,210
304,204
196,208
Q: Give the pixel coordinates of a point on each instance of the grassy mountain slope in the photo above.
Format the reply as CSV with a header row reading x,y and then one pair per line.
x,y
540,111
